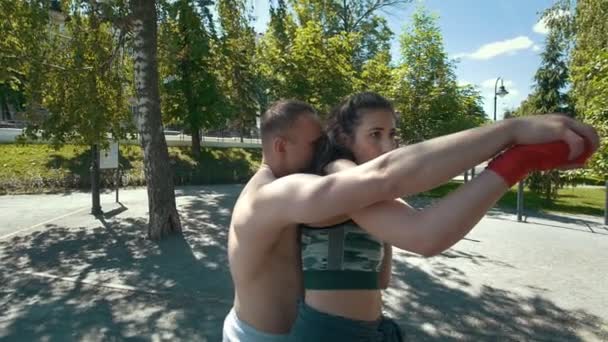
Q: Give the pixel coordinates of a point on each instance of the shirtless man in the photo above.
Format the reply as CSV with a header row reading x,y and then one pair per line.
x,y
262,244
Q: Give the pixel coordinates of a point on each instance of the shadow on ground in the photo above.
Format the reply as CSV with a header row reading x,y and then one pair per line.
x,y
579,223
183,285
441,305
183,288
554,220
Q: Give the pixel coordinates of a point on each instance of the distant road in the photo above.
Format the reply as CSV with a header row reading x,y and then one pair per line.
x,y
8,135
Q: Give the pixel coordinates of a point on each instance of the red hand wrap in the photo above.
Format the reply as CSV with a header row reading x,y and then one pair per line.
x,y
515,163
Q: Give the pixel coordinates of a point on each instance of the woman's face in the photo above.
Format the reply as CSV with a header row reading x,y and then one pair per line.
x,y
375,134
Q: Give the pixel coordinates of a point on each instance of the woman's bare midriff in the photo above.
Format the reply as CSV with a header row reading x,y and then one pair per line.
x,y
362,305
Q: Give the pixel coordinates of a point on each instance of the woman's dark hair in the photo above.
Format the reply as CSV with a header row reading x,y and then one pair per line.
x,y
340,129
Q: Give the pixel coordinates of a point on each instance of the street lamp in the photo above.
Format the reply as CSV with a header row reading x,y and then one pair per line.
x,y
499,92
520,186
58,17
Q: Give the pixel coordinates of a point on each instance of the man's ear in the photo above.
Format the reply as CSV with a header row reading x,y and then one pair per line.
x,y
278,144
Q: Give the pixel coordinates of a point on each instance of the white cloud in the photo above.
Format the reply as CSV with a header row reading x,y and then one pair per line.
x,y
491,50
541,26
536,48
463,83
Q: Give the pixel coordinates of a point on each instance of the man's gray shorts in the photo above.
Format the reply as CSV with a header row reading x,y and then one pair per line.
x,y
236,330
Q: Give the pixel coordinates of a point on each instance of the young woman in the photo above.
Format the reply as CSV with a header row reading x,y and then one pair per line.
x,y
347,262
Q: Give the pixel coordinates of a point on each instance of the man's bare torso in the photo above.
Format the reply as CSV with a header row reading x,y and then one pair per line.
x,y
265,264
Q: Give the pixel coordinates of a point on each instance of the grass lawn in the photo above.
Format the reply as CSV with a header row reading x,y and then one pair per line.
x,y
35,168
577,200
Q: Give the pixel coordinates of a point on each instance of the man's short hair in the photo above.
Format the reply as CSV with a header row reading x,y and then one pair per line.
x,y
281,115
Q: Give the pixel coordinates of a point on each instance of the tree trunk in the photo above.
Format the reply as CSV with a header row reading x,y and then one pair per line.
x,y
192,110
196,142
164,219
606,204
4,108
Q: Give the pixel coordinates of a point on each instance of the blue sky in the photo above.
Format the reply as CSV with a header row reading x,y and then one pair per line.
x,y
490,38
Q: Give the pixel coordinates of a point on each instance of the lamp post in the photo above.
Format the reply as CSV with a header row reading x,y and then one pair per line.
x,y
520,186
96,207
498,92
58,17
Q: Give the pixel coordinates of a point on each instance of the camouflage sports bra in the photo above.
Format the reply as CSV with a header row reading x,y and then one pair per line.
x,y
340,257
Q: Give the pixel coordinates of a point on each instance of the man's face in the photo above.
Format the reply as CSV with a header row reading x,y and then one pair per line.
x,y
300,144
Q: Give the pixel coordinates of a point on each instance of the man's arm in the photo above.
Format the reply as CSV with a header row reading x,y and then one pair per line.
x,y
408,170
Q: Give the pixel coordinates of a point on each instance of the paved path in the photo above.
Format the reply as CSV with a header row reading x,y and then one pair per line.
x,y
66,276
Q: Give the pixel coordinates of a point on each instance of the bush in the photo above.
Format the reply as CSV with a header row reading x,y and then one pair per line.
x,y
36,168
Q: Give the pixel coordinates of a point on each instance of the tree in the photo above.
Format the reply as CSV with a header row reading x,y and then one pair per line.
x,y
164,218
351,17
89,57
589,74
20,21
281,25
470,109
303,62
72,76
236,60
190,88
271,58
10,97
76,81
313,68
510,113
376,74
320,51
23,27
526,107
426,93
552,77
549,93
272,53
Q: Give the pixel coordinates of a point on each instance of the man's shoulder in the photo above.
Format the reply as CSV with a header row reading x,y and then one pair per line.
x,y
260,178
243,210
250,191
